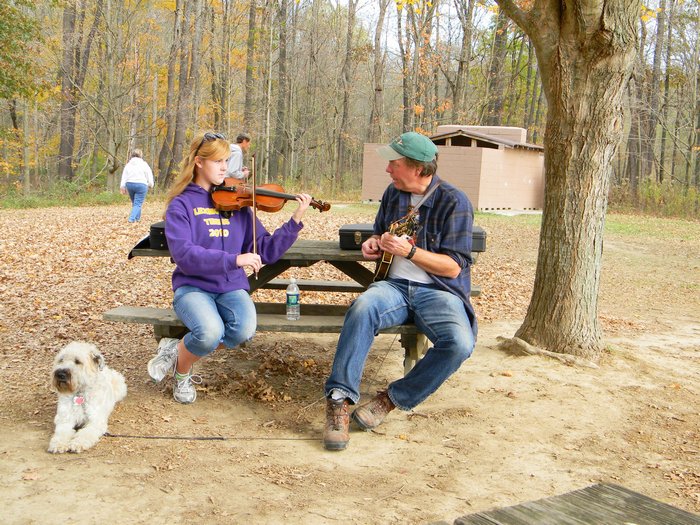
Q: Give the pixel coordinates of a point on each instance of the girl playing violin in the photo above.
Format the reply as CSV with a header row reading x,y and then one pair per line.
x,y
210,252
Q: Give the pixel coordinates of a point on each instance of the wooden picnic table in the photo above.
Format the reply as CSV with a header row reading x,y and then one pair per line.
x,y
315,318
303,253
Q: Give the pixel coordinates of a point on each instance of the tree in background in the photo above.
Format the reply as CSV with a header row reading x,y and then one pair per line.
x,y
77,46
18,31
18,35
585,51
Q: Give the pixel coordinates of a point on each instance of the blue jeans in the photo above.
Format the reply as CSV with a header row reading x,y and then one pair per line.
x,y
213,318
137,193
438,314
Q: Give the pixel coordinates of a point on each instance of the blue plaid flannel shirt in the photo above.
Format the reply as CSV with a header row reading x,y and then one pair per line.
x,y
445,226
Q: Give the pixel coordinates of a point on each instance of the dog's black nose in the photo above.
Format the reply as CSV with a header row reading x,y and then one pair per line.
x,y
62,374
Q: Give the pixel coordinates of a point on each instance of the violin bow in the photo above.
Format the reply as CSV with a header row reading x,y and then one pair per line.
x,y
255,215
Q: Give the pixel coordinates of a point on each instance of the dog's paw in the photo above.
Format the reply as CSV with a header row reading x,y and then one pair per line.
x,y
81,443
57,446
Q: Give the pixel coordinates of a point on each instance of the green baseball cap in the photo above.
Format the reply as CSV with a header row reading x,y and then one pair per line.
x,y
412,145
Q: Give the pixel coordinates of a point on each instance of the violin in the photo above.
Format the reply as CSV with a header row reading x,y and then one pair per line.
x,y
233,195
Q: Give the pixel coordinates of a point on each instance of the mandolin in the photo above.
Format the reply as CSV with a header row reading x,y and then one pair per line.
x,y
408,226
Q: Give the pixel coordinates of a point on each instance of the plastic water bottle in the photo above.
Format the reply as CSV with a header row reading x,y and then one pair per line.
x,y
293,309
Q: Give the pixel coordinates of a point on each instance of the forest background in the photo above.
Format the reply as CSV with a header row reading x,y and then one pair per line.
x,y
82,83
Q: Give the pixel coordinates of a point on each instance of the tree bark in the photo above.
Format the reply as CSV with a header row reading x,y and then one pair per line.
x,y
376,115
634,142
165,155
68,96
585,51
529,88
652,110
73,70
496,84
26,172
459,94
249,106
406,77
344,88
190,59
278,159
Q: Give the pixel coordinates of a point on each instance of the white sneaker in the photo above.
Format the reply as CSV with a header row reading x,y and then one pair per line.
x,y
184,390
164,362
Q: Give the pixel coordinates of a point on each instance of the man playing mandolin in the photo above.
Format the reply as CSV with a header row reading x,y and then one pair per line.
x,y
423,234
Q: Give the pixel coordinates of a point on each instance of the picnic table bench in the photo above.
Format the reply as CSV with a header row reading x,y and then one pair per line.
x,y
603,503
271,317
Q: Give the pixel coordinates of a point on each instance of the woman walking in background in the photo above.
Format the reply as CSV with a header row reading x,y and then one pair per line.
x,y
137,177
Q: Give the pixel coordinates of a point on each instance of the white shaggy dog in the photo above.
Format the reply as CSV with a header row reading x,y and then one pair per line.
x,y
87,393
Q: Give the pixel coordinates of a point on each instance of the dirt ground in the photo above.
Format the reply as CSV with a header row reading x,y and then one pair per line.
x,y
503,430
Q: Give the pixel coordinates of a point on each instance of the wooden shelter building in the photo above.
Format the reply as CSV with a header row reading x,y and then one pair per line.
x,y
493,165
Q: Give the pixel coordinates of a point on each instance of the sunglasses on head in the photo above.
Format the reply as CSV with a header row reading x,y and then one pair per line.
x,y
207,137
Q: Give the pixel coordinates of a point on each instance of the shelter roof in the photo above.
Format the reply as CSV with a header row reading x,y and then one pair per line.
x,y
498,142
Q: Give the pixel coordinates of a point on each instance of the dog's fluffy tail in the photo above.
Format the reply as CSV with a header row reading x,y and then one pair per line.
x,y
118,386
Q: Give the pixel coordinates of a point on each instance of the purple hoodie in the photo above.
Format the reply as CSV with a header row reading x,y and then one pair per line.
x,y
204,245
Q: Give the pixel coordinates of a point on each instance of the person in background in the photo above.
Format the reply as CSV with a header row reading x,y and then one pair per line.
x,y
235,161
428,283
137,177
210,249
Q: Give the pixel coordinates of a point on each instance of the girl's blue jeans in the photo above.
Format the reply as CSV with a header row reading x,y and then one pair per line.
x,y
212,318
438,314
137,193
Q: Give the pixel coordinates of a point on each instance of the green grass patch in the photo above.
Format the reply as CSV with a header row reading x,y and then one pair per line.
x,y
69,195
651,227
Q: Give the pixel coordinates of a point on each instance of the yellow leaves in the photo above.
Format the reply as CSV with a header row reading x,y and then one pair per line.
x,y
168,5
444,106
418,109
647,14
418,5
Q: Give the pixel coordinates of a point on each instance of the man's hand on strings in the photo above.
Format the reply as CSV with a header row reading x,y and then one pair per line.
x,y
394,245
370,248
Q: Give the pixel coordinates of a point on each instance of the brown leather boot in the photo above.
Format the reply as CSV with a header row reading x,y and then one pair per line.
x,y
335,435
371,414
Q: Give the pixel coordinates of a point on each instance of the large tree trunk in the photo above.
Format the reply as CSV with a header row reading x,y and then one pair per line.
x,y
585,51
